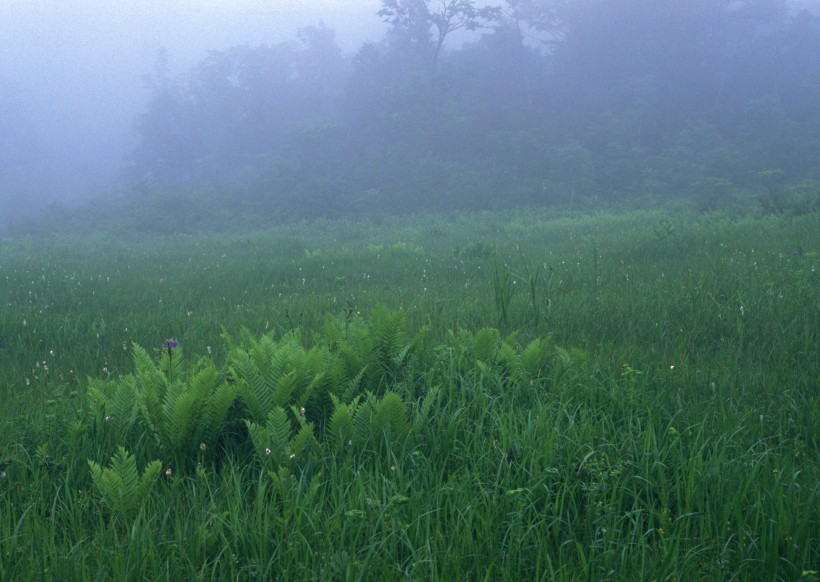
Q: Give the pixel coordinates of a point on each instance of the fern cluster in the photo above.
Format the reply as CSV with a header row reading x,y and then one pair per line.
x,y
487,352
273,374
487,358
169,415
281,389
293,402
369,355
281,441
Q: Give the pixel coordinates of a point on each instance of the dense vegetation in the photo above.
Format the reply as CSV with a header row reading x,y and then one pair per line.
x,y
469,396
538,305
549,104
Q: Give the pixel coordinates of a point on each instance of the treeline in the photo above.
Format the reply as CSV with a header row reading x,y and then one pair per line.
x,y
548,103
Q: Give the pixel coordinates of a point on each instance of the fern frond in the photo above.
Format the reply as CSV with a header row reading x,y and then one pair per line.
x,y
486,343
353,388
221,403
147,480
302,442
363,420
390,418
120,485
425,410
180,421
284,389
340,429
534,358
507,358
388,330
272,439
144,366
250,384
121,406
563,356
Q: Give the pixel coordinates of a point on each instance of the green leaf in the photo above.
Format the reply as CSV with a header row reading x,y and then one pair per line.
x,y
121,487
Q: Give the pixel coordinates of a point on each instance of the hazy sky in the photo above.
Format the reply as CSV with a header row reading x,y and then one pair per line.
x,y
79,65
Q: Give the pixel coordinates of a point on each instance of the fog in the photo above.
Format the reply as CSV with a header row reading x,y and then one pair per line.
x,y
72,76
225,110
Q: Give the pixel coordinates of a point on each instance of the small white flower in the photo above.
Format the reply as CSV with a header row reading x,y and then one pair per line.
x,y
267,452
168,472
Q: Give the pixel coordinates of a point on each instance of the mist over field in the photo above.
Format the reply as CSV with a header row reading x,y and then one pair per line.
x,y
410,290
73,79
254,113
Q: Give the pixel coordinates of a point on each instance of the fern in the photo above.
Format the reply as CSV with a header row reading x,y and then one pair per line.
x,y
114,405
388,331
276,374
121,407
534,358
363,422
274,441
390,418
425,410
122,488
563,356
345,372
175,417
302,442
485,344
340,429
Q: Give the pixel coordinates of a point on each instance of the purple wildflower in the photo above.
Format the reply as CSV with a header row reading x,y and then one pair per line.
x,y
170,344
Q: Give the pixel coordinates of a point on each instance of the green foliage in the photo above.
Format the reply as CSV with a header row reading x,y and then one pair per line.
x,y
276,374
485,344
486,355
174,418
381,422
340,428
660,423
390,346
371,354
121,486
278,441
535,358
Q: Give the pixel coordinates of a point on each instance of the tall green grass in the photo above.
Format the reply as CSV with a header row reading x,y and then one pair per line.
x,y
670,430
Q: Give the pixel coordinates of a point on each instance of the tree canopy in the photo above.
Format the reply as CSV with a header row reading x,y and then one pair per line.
x,y
544,102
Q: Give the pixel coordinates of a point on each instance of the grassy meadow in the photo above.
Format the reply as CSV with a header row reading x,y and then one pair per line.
x,y
499,396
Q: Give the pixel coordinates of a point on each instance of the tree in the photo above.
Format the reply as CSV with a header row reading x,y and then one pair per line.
x,y
237,109
415,20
